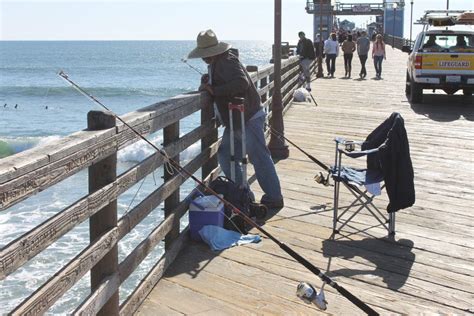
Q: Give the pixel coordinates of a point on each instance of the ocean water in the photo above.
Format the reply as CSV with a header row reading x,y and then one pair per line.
x,y
37,107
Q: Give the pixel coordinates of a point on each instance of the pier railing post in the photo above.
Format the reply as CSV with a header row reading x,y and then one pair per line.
x,y
263,84
171,134
207,115
101,174
278,147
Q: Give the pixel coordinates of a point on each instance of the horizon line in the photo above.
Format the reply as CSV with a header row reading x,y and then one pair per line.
x,y
98,40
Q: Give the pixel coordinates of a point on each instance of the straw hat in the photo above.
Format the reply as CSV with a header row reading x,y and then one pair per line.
x,y
208,45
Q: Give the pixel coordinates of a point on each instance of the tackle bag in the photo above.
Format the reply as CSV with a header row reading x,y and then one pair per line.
x,y
241,198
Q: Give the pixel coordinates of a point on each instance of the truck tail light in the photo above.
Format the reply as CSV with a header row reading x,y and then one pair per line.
x,y
418,62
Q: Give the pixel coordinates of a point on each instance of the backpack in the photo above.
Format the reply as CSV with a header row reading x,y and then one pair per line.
x,y
240,197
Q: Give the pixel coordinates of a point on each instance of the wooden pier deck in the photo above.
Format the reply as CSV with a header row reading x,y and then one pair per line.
x,y
429,269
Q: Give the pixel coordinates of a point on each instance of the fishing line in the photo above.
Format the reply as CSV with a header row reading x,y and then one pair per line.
x,y
356,301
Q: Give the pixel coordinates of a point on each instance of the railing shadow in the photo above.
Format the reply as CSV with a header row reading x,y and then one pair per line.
x,y
393,260
192,259
445,108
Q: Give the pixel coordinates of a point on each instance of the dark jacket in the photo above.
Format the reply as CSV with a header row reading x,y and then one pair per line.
x,y
393,158
305,49
230,79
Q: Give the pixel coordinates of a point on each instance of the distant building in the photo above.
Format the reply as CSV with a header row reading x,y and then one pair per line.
x,y
373,27
346,25
394,20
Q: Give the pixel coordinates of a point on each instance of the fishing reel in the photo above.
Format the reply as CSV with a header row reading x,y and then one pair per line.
x,y
349,146
321,179
308,293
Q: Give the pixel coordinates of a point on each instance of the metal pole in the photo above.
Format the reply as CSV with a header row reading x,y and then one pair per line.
x,y
411,19
393,32
447,8
320,46
278,148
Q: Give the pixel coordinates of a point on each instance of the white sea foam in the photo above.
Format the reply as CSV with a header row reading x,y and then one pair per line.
x,y
139,150
22,143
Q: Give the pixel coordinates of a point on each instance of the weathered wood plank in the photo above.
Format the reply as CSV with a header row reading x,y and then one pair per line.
x,y
154,199
32,159
383,254
19,251
183,301
134,300
133,260
37,180
85,148
99,297
55,287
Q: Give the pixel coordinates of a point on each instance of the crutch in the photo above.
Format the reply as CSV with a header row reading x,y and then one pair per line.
x,y
237,104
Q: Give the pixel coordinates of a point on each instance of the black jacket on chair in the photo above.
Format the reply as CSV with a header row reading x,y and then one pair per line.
x,y
393,158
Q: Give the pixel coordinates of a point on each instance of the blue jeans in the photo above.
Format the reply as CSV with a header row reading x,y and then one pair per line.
x,y
378,64
258,154
331,63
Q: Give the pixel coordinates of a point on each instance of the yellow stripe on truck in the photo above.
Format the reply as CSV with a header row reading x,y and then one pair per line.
x,y
447,62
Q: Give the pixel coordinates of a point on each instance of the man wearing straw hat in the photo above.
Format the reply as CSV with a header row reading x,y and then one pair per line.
x,y
227,78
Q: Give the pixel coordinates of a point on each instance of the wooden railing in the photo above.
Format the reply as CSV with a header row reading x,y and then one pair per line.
x,y
397,42
27,173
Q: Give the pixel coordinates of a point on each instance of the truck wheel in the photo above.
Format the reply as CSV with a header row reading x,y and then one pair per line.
x,y
467,92
416,93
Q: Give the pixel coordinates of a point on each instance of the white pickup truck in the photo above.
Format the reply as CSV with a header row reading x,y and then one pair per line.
x,y
441,58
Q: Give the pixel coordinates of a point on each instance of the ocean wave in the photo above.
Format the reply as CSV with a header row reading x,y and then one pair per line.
x,y
13,145
62,91
140,150
135,152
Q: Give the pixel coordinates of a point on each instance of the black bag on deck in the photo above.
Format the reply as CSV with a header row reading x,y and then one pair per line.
x,y
237,196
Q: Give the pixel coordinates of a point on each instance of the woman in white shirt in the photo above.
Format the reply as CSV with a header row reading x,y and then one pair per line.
x,y
331,49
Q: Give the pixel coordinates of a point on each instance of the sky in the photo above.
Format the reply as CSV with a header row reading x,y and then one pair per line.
x,y
171,19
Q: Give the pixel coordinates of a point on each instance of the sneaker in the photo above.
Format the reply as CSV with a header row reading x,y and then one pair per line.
x,y
273,204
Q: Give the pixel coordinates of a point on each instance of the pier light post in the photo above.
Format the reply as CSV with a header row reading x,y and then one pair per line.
x,y
411,19
394,18
277,146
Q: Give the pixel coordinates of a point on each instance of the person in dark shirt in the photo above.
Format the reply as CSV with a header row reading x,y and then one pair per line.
x,y
305,50
431,45
227,78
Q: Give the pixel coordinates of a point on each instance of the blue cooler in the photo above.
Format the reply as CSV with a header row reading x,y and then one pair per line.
x,y
205,210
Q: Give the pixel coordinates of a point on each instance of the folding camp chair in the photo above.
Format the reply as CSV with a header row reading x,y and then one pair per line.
x,y
388,167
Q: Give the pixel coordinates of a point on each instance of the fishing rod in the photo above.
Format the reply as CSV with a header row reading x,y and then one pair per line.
x,y
315,103
351,297
184,60
319,178
282,137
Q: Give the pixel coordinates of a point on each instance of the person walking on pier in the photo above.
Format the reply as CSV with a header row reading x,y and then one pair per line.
x,y
348,47
228,78
363,47
305,50
331,49
318,45
378,54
